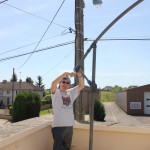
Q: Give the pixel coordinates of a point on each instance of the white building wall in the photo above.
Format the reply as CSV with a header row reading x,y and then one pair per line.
x,y
121,100
5,95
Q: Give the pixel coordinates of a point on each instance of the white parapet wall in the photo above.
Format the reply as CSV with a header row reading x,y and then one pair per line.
x,y
4,114
112,137
31,134
35,134
4,111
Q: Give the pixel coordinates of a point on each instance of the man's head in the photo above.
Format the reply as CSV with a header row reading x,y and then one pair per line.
x,y
64,83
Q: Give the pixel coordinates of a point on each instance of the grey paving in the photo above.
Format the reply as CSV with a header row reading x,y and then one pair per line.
x,y
116,115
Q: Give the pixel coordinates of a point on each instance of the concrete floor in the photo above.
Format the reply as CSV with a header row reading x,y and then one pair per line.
x,y
116,115
3,122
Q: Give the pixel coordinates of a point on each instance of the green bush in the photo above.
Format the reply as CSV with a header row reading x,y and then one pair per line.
x,y
99,111
10,108
26,105
46,100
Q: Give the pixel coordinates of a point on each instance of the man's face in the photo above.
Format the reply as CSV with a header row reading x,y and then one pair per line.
x,y
64,84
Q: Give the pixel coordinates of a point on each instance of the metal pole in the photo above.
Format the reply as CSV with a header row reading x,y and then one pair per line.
x,y
92,98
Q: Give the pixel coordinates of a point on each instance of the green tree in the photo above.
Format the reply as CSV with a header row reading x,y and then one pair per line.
x,y
14,78
117,88
132,86
39,83
47,100
29,80
46,92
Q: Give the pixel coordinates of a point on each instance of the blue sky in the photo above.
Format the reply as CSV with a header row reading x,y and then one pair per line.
x,y
122,63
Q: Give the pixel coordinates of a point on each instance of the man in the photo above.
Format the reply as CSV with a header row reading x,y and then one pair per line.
x,y
62,102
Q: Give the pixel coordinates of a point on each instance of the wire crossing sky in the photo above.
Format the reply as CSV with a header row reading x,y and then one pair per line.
x,y
42,35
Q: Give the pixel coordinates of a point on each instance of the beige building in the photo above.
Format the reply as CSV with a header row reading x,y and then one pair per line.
x,y
8,91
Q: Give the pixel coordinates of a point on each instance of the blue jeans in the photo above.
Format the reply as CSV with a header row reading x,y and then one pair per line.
x,y
62,138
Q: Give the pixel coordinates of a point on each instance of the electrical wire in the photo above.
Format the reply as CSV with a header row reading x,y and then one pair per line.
x,y
86,39
70,31
141,39
43,35
3,1
67,43
43,49
27,45
35,15
58,63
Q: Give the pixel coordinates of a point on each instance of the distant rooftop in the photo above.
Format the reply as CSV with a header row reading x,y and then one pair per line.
x,y
19,85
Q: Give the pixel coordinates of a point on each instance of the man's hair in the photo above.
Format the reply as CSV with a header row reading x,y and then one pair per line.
x,y
66,78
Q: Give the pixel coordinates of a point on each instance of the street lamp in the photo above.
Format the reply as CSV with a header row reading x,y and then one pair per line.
x,y
97,3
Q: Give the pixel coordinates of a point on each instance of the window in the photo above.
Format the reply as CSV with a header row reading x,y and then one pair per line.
x,y
1,102
8,101
8,92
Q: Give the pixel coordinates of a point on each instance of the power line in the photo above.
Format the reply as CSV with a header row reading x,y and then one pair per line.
x,y
43,34
3,1
86,39
35,15
142,39
40,50
27,45
58,63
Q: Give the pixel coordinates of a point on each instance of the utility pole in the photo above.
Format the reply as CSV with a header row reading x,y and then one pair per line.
x,y
79,53
20,82
13,87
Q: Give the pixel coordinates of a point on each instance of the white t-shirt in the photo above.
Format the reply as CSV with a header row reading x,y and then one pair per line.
x,y
63,107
